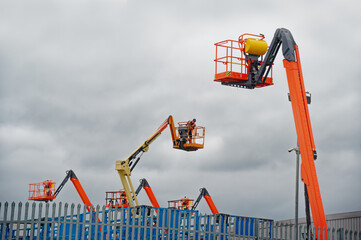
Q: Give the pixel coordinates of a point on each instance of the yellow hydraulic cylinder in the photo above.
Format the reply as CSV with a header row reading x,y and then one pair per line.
x,y
256,46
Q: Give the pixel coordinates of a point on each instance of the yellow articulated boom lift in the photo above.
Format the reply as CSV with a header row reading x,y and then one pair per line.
x,y
187,137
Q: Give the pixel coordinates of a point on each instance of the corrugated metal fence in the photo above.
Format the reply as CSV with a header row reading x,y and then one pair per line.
x,y
64,221
350,221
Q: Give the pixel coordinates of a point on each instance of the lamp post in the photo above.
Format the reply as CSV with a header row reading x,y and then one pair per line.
x,y
297,150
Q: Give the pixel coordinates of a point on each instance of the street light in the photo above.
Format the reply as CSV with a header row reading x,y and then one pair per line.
x,y
297,150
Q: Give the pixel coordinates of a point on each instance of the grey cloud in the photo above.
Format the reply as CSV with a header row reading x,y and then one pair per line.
x,y
83,84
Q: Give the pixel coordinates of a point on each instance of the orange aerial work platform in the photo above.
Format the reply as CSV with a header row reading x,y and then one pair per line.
x,y
188,139
116,199
42,191
183,203
232,66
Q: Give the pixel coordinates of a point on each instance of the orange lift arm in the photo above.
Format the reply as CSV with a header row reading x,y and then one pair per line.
x,y
302,120
257,72
73,178
144,184
204,193
125,167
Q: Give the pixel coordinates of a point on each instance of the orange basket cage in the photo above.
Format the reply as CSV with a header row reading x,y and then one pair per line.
x,y
195,140
183,203
43,191
232,66
116,199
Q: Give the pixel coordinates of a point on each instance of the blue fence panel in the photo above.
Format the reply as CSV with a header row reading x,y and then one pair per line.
x,y
68,222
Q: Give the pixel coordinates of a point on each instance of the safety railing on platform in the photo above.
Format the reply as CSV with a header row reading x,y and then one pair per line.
x,y
196,135
64,221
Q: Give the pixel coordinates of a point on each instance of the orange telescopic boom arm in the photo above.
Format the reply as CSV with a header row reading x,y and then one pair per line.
x,y
73,178
302,120
204,193
81,192
145,185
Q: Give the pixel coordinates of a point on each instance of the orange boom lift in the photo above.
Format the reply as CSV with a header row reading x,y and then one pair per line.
x,y
145,185
204,193
45,191
241,64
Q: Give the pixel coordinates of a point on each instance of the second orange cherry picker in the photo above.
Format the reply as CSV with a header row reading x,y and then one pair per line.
x,y
45,191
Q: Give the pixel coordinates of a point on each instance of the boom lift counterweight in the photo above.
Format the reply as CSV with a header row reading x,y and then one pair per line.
x,y
255,72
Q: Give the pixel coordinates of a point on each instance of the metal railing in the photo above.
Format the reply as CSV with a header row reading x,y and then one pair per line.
x,y
69,221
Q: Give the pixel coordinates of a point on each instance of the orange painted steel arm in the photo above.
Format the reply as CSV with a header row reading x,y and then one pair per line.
x,y
204,193
151,196
159,130
172,130
81,192
169,121
211,204
305,140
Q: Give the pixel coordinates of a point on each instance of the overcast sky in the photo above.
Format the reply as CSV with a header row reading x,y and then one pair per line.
x,y
83,83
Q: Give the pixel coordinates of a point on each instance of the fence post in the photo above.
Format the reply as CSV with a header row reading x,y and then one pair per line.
x,y
52,224
83,236
18,220
65,224
32,222
95,216
45,222
340,232
4,225
12,213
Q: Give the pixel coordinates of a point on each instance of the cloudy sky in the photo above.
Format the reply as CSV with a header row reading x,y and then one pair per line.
x,y
83,83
